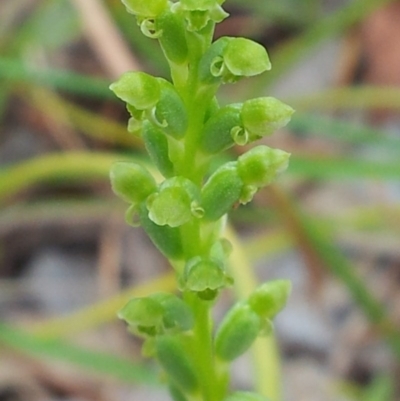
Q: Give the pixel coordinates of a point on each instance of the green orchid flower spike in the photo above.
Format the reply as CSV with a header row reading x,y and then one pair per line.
x,y
183,209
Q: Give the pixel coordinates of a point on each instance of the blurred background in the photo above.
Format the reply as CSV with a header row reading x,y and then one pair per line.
x,y
331,223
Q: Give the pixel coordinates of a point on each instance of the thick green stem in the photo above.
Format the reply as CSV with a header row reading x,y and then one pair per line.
x,y
212,387
213,384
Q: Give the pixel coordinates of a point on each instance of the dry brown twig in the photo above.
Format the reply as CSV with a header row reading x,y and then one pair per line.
x,y
105,38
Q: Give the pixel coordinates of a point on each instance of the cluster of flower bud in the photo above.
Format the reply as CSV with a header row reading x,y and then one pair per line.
x,y
163,208
183,129
196,14
163,320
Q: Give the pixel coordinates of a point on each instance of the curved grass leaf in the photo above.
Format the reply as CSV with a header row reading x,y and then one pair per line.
x,y
93,361
56,167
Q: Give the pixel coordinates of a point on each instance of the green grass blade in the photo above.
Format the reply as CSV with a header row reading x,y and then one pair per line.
x,y
14,70
319,167
58,167
350,98
96,362
76,167
342,130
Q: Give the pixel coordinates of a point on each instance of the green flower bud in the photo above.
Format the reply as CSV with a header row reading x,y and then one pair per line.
x,y
245,58
268,299
166,239
170,113
140,90
221,128
172,36
175,203
245,396
228,59
205,276
221,191
262,116
156,145
237,332
176,314
145,8
259,166
143,315
131,182
174,359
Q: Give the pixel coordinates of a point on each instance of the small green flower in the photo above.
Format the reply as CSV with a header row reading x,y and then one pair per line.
x,y
131,182
259,166
221,191
154,99
175,203
245,58
262,116
205,276
143,315
138,89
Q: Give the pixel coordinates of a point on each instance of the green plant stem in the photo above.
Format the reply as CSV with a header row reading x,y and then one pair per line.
x,y
200,345
202,349
14,70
